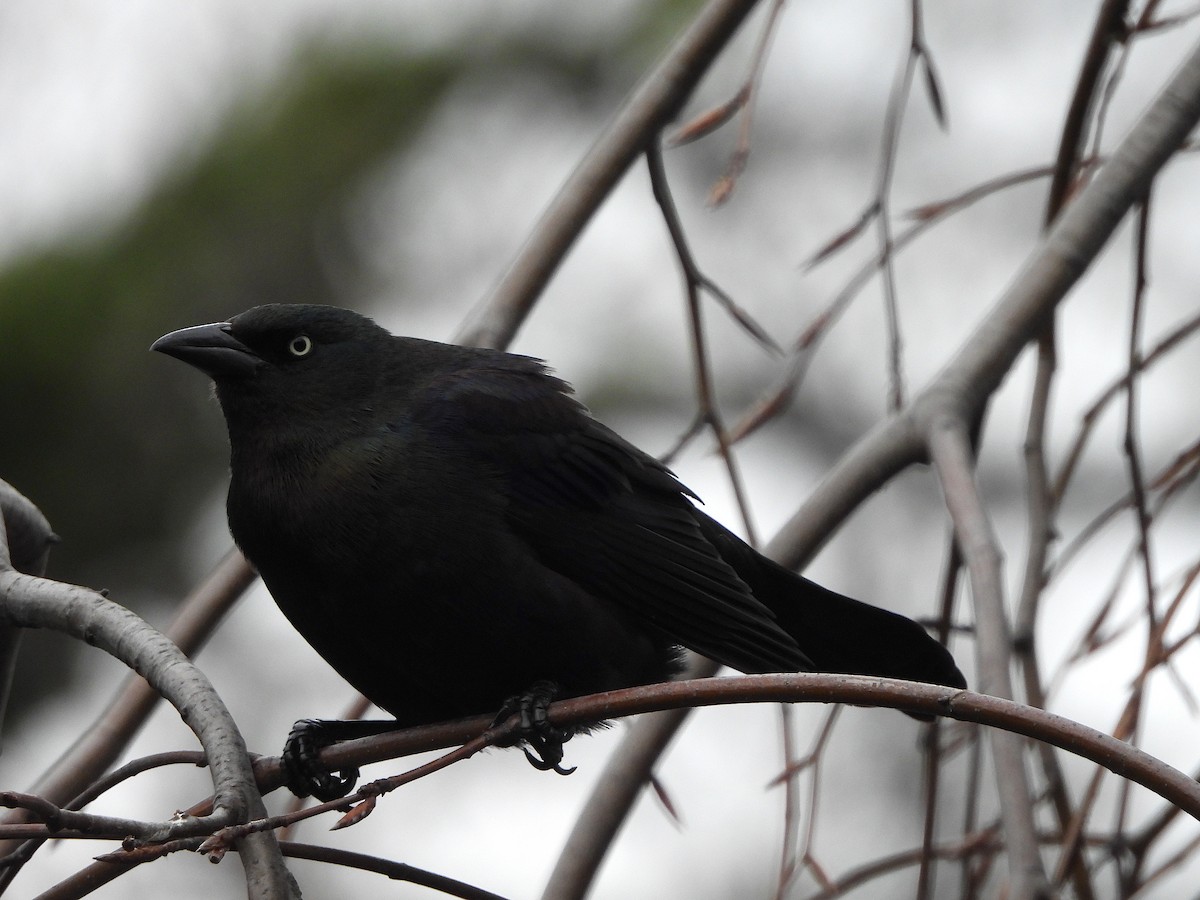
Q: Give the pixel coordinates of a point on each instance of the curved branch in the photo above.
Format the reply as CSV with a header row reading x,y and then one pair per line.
x,y
653,103
31,602
1117,756
396,871
102,743
1124,759
87,616
25,542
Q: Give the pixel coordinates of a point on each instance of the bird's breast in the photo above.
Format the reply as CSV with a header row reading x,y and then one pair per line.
x,y
371,504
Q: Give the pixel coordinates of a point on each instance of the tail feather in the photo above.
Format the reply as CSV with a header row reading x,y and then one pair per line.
x,y
837,633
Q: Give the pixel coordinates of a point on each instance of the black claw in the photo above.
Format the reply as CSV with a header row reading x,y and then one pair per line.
x,y
541,741
545,765
303,772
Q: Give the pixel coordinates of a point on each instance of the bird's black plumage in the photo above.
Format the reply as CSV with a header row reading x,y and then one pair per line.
x,y
447,526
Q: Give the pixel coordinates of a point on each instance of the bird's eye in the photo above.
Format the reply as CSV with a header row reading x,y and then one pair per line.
x,y
300,345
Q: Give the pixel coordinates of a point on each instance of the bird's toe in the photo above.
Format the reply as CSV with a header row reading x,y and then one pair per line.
x,y
541,740
304,773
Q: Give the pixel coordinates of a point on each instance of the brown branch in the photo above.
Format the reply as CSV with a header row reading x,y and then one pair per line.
x,y
693,281
1184,330
858,690
1132,450
893,117
813,762
1169,482
1117,756
396,871
723,189
804,687
1107,33
791,803
985,842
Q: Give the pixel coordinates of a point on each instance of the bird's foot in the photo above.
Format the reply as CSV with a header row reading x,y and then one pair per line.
x,y
541,741
303,772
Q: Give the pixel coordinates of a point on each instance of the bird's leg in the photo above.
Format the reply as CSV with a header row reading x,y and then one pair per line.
x,y
541,741
303,772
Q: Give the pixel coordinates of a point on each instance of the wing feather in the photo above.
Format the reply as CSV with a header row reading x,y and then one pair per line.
x,y
602,513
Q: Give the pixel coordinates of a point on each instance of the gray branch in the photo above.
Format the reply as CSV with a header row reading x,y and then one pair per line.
x,y
27,550
28,601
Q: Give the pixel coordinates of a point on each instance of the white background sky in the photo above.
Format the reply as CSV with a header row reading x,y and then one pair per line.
x,y
98,100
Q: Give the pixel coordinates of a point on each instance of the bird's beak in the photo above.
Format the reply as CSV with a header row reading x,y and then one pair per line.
x,y
210,348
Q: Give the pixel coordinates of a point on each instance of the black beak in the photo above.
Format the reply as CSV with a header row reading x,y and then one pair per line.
x,y
210,348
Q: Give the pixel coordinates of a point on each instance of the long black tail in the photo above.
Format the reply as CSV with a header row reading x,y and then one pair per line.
x,y
837,633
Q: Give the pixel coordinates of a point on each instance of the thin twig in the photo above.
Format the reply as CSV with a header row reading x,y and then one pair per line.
x,y
1111,392
813,763
693,281
651,105
723,189
892,120
775,400
394,870
1130,444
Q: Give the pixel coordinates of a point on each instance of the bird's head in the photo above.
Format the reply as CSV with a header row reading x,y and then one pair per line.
x,y
284,363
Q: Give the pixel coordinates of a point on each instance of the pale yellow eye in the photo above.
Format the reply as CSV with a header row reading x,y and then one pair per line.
x,y
300,345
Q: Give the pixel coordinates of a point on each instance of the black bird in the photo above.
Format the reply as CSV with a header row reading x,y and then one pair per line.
x,y
449,529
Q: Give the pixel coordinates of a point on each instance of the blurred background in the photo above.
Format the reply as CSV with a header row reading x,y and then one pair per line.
x,y
163,165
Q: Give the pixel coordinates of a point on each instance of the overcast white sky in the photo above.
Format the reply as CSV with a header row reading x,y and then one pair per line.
x,y
99,99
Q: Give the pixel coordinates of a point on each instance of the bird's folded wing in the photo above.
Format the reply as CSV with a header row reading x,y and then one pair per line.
x,y
598,511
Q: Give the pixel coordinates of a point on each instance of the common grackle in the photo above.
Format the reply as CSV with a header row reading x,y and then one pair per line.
x,y
449,528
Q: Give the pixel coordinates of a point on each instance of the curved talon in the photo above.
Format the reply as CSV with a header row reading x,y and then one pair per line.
x,y
541,741
545,765
304,774
544,748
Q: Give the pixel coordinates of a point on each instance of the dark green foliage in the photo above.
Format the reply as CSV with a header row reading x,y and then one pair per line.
x,y
250,219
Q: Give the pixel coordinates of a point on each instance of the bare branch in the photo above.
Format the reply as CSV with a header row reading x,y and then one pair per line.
x,y
988,354
653,103
31,602
806,687
100,744
693,281
394,870
723,189
25,542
